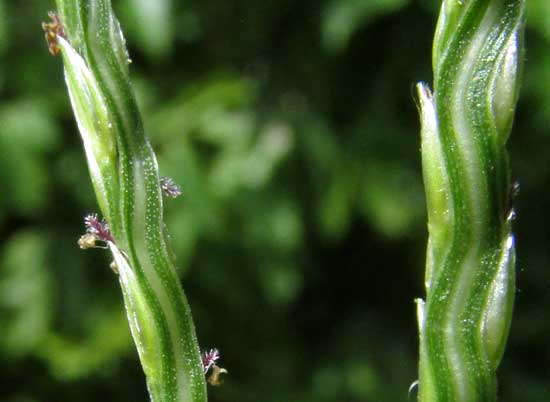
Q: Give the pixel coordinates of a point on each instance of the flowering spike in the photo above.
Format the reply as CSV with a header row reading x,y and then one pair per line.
x,y
169,187
124,173
470,274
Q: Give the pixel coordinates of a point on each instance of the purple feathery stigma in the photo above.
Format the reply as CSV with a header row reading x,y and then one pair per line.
x,y
169,187
209,358
98,227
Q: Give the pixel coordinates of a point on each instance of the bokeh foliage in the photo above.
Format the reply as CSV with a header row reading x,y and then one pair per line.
x,y
300,236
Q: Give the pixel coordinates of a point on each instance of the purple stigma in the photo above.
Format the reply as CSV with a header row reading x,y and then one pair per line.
x,y
98,228
209,358
169,187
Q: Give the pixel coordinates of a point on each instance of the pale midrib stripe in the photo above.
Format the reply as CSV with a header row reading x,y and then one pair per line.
x,y
469,156
140,234
87,134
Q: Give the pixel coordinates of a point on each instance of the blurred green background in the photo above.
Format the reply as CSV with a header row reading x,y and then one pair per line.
x,y
292,128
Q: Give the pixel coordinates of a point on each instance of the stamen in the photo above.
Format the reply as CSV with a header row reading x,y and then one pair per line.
x,y
52,31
